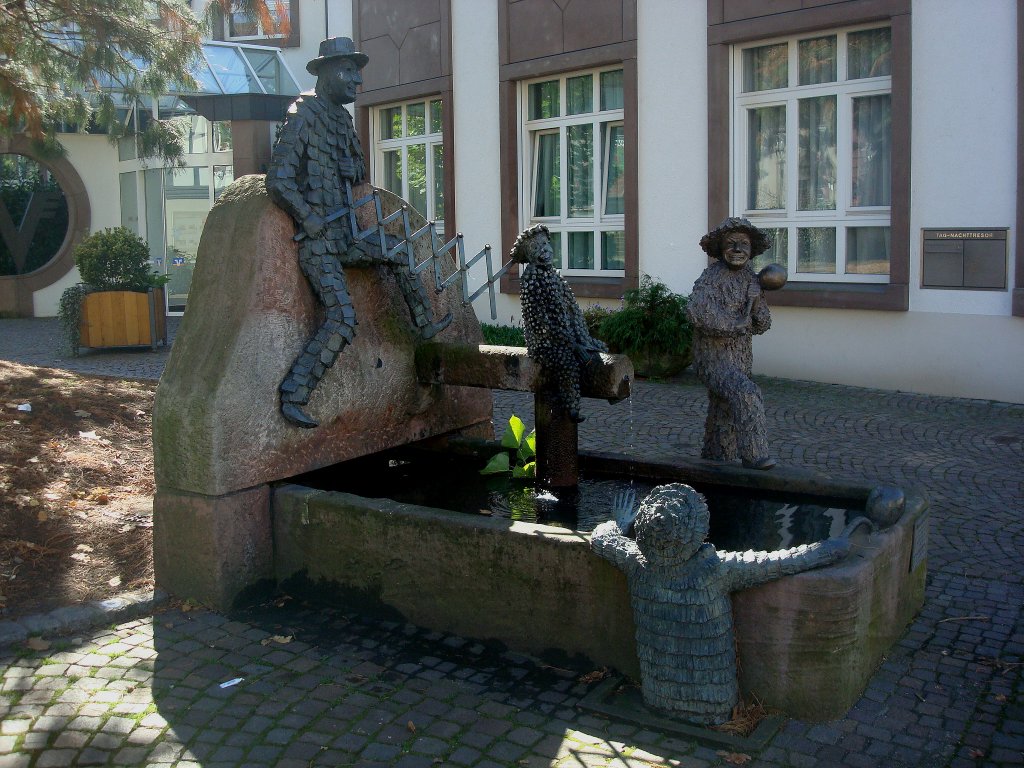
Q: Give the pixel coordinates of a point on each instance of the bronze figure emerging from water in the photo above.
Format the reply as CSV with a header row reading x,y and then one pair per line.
x,y
317,154
679,588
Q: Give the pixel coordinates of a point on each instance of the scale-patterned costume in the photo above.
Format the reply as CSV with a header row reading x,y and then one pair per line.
x,y
679,589
306,178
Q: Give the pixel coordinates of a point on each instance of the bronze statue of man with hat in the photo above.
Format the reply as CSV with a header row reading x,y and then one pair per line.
x,y
726,309
317,154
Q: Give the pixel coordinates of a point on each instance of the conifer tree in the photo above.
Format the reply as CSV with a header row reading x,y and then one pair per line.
x,y
82,64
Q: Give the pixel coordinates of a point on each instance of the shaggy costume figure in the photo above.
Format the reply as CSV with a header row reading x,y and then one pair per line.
x,y
556,333
679,589
725,309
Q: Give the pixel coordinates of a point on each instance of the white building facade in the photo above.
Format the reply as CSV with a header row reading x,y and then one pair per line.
x,y
879,141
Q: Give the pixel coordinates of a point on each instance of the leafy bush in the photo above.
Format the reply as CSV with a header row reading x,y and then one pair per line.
x,y
651,328
504,335
115,260
593,316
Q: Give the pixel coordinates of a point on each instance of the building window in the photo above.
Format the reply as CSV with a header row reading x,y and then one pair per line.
x,y
409,155
239,25
168,206
812,151
572,168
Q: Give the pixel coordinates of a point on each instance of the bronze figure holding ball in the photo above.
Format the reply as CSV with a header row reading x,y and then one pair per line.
x,y
726,309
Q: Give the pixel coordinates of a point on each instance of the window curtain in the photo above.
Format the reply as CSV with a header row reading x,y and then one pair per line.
x,y
872,150
766,162
615,152
870,53
547,190
817,154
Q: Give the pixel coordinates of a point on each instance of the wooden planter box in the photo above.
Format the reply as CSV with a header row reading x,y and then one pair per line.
x,y
124,319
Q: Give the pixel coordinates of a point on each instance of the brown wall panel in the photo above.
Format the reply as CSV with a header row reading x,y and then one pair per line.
x,y
406,40
589,25
394,18
748,9
382,69
534,29
420,57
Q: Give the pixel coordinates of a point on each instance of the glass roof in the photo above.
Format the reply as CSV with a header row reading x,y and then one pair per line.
x,y
238,68
230,68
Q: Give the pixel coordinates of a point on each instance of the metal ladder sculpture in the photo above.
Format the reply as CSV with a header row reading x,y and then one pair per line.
x,y
437,247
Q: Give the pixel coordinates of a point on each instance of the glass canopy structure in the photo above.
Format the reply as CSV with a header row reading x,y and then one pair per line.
x,y
234,68
236,81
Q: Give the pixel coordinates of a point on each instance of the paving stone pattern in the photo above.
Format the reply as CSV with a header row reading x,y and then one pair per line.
x,y
344,688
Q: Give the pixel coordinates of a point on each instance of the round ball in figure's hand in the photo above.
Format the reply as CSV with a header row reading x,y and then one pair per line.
x,y
772,277
885,505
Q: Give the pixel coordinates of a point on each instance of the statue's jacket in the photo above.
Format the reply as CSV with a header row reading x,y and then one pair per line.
x,y
305,176
718,301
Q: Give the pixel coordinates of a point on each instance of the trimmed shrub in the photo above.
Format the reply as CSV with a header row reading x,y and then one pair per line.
x,y
115,260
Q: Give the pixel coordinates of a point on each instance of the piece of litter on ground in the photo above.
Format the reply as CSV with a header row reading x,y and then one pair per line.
x,y
115,582
90,435
282,639
231,682
37,644
26,407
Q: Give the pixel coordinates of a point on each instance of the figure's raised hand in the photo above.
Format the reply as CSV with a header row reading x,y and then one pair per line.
x,y
624,510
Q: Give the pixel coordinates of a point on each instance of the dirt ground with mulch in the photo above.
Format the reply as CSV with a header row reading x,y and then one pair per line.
x,y
76,488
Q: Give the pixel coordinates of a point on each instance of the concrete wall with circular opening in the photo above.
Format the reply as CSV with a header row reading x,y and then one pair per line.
x,y
16,291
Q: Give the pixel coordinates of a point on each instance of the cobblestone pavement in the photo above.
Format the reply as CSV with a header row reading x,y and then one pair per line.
x,y
39,341
325,688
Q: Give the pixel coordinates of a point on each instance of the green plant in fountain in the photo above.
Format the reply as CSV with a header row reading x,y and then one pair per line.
x,y
651,328
516,441
115,259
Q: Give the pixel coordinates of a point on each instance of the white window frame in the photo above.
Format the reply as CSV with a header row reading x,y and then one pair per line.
x,y
529,133
428,139
845,215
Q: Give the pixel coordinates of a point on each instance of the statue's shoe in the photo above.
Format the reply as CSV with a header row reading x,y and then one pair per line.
x,y
297,416
431,330
765,462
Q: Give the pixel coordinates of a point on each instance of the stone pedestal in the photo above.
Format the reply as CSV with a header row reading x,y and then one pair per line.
x,y
217,429
213,549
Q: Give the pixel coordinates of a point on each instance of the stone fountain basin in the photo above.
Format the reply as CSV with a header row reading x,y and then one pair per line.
x,y
807,644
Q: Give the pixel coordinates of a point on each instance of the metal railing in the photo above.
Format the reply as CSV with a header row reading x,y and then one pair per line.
x,y
438,248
